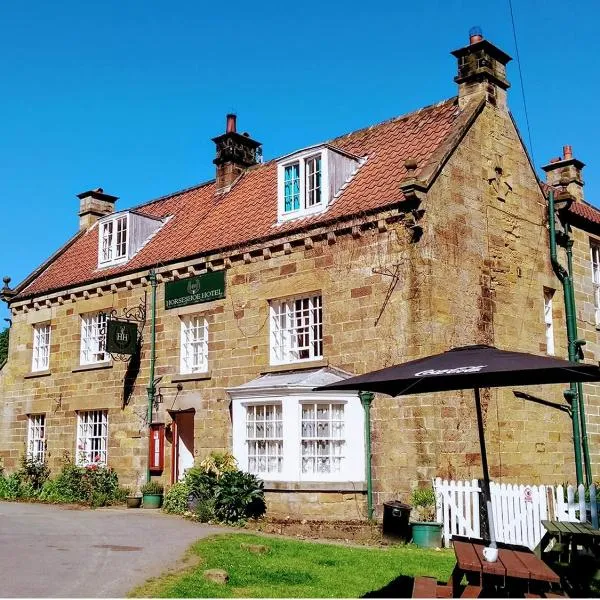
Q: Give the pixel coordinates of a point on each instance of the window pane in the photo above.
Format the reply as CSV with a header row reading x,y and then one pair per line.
x,y
194,344
264,427
291,186
92,437
296,329
322,431
313,181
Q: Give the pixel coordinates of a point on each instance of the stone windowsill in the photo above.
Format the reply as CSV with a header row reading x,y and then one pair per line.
x,y
204,376
34,374
316,486
299,366
93,367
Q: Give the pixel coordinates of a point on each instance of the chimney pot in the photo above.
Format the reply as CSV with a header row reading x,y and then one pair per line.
x,y
231,125
567,152
475,35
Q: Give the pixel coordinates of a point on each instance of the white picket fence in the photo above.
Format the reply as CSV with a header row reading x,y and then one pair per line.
x,y
517,510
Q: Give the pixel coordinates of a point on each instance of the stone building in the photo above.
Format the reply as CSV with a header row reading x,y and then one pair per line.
x,y
393,242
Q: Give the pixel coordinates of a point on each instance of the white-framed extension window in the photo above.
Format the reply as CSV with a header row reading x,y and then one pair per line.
x,y
92,437
36,437
93,338
112,239
40,359
264,438
548,321
296,329
299,437
595,261
323,437
194,344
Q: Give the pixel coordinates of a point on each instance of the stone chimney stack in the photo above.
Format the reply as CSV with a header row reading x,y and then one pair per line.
x,y
93,205
565,172
235,153
481,71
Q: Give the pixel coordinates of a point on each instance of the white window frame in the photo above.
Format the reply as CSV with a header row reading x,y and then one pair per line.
x,y
91,446
352,465
36,437
264,439
595,264
548,321
193,348
302,158
112,250
285,327
40,356
93,339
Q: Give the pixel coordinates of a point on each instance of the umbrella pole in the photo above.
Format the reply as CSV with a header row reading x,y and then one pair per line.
x,y
486,474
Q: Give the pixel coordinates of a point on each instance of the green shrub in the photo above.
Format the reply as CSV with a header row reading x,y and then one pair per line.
x,y
176,498
153,487
200,483
220,491
239,496
10,487
33,473
204,510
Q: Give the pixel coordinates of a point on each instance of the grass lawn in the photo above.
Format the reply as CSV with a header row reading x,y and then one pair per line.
x,y
297,569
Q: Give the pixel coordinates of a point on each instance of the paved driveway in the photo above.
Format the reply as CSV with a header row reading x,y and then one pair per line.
x,y
51,551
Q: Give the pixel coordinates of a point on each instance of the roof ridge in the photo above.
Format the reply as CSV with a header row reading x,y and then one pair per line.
x,y
322,143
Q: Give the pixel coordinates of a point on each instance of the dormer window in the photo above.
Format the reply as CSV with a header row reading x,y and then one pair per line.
x,y
113,240
309,180
122,235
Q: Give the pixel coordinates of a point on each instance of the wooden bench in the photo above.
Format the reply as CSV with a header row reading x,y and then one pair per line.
x,y
424,587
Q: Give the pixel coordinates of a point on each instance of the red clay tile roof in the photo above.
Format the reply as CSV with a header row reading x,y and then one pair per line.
x,y
585,211
203,223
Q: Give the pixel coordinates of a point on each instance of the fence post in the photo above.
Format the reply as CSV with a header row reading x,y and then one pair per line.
x,y
593,506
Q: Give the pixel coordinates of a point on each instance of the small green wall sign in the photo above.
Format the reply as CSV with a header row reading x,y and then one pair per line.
x,y
121,337
194,290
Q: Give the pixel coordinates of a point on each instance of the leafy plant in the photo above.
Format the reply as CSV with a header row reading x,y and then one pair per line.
x,y
200,483
204,510
424,504
33,472
239,496
218,463
153,487
4,335
176,498
10,487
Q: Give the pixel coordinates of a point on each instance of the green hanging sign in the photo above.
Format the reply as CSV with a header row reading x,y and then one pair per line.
x,y
121,337
195,290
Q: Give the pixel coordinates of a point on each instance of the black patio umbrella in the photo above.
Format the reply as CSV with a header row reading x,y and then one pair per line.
x,y
469,367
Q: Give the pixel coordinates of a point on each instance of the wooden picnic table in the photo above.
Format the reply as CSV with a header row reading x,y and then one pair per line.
x,y
570,535
517,572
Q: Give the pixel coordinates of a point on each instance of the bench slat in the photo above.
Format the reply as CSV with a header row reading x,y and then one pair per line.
x,y
424,587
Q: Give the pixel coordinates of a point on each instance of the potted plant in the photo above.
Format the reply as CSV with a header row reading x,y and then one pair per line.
x,y
426,531
152,493
132,499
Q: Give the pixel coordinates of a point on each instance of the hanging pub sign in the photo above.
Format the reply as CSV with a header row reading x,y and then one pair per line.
x,y
194,290
121,337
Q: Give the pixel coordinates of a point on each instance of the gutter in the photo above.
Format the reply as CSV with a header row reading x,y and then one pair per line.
x,y
571,395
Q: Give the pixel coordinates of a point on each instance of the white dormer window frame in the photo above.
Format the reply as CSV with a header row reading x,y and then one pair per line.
x,y
113,239
312,187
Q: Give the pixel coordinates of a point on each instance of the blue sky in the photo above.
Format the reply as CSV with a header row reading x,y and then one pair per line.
x,y
126,95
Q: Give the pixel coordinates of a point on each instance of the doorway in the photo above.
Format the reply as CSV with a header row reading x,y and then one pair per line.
x,y
182,444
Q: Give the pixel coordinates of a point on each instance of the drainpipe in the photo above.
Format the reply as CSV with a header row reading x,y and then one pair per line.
x,y
366,398
565,279
578,343
151,385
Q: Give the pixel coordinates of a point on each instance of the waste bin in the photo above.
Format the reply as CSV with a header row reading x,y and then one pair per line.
x,y
395,519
